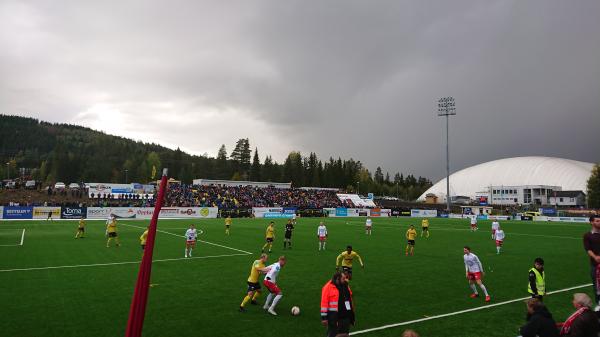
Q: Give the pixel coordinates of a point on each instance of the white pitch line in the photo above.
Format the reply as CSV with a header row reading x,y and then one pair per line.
x,y
462,311
22,237
183,236
511,233
117,263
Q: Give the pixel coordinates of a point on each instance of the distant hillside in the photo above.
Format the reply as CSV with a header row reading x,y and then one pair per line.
x,y
61,152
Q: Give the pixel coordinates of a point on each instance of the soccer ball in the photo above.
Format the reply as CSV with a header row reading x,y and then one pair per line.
x,y
295,311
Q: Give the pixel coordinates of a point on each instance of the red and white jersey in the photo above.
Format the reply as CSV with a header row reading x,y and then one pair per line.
x,y
495,225
322,230
369,223
474,220
499,236
191,234
472,263
273,272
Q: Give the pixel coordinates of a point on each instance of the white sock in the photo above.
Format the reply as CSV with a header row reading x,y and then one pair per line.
x,y
190,253
185,252
484,290
498,249
324,243
320,245
269,298
474,289
275,301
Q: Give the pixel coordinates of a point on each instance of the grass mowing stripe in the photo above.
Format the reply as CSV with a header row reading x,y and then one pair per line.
x,y
116,263
462,311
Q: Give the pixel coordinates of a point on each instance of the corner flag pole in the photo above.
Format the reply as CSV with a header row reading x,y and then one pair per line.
x,y
137,311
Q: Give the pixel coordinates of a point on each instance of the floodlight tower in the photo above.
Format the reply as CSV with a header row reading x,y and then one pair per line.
x,y
447,107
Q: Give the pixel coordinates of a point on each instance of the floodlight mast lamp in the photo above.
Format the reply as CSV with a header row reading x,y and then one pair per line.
x,y
447,107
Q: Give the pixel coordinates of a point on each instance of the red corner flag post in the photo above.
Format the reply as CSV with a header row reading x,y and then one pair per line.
x,y
140,295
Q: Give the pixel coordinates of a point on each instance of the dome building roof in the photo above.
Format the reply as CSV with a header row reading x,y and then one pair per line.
x,y
517,171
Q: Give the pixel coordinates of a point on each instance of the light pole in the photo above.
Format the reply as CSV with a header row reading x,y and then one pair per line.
x,y
447,107
358,188
7,170
126,175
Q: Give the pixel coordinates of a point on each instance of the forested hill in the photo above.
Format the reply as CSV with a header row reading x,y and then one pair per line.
x,y
69,153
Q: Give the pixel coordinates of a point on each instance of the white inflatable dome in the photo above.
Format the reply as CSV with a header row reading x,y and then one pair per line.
x,y
517,171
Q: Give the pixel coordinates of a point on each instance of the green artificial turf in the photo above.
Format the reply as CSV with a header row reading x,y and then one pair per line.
x,y
89,292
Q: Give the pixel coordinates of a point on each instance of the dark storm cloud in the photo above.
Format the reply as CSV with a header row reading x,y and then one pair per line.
x,y
342,78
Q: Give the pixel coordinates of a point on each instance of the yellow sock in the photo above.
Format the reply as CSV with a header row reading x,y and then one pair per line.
x,y
270,246
265,246
256,295
245,301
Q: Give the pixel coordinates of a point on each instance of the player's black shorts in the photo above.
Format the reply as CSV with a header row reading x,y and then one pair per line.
x,y
253,286
269,239
112,235
425,229
347,270
411,242
227,226
143,247
81,229
288,236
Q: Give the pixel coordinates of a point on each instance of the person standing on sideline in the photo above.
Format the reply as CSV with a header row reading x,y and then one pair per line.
x,y
495,226
499,236
368,226
337,308
537,279
591,243
411,234
270,282
425,227
287,238
539,321
322,235
583,322
474,272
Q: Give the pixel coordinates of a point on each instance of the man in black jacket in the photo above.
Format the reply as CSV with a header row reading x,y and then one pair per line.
x,y
539,321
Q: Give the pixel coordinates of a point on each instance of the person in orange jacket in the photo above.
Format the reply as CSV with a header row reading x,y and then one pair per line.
x,y
337,308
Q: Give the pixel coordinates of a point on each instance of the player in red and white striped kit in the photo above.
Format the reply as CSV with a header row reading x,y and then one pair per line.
x,y
474,272
473,223
495,226
499,237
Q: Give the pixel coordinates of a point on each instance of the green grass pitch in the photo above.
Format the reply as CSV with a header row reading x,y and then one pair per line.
x,y
54,285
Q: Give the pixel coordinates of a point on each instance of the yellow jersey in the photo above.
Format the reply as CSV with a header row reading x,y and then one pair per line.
x,y
257,266
425,223
411,234
112,227
228,222
270,232
346,259
81,223
144,237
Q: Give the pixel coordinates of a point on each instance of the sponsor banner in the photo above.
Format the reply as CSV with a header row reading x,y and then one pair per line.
x,y
42,212
526,218
499,217
482,217
106,212
540,218
290,210
134,188
17,212
340,211
329,212
1,211
259,212
375,212
443,215
272,215
547,211
423,213
456,216
73,212
568,219
177,212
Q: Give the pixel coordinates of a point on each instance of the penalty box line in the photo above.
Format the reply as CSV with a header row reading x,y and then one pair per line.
x,y
117,263
183,236
22,237
489,306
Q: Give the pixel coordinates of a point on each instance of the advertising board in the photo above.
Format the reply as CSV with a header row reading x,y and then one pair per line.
x,y
423,213
40,212
17,212
72,212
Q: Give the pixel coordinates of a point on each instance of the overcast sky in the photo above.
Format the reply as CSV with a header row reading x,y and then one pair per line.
x,y
341,78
